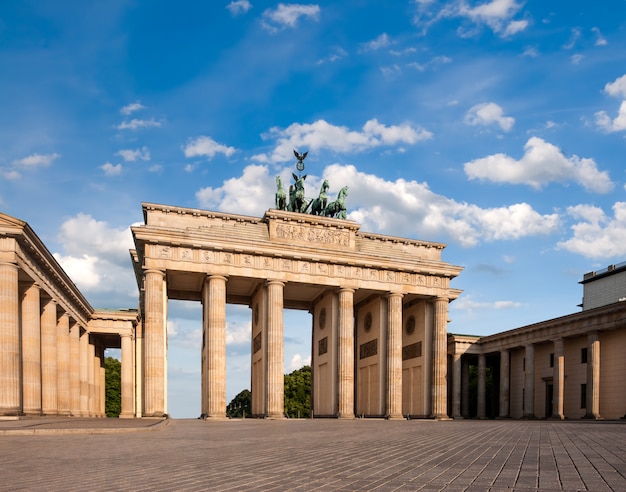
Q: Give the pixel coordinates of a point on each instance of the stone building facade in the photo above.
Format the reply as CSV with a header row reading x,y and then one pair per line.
x,y
569,367
379,312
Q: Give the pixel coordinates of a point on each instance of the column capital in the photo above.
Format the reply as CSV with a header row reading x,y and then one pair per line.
x,y
4,263
346,289
441,299
274,282
394,294
154,270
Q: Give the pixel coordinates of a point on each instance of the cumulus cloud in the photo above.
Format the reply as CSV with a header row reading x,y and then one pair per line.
x,y
238,333
486,114
96,258
132,107
401,208
600,40
131,155
207,147
541,164
617,88
288,15
297,362
136,124
597,235
111,169
239,7
323,135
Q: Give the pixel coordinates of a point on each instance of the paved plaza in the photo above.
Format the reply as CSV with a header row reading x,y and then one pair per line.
x,y
307,455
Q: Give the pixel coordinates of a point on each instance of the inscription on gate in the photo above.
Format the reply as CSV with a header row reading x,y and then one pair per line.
x,y
323,346
412,351
368,349
257,343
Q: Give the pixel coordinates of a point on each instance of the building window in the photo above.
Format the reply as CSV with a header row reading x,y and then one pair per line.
x,y
551,360
583,396
583,355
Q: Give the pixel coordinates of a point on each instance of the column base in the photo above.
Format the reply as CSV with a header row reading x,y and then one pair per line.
x,y
591,416
346,417
394,417
529,416
127,415
442,417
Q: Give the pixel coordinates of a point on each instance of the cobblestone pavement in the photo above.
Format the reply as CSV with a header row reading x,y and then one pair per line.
x,y
322,455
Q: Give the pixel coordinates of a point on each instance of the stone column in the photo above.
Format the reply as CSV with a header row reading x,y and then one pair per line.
x,y
394,356
31,350
84,374
10,403
440,360
456,385
275,351
63,364
75,369
128,406
593,376
215,363
345,354
154,344
102,397
91,355
49,401
505,383
529,382
482,376
558,380
465,382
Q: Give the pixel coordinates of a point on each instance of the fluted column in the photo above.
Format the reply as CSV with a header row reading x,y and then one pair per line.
x,y
74,368
275,351
102,397
593,376
465,383
84,374
9,340
482,376
345,354
49,401
394,356
505,383
63,364
154,344
456,385
31,350
128,407
558,380
91,356
215,363
440,359
529,391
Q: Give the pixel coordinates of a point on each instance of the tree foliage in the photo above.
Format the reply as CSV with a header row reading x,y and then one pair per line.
x,y
113,387
240,406
298,393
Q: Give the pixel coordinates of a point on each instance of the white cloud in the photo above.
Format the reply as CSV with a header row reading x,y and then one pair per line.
x,y
297,362
596,235
131,108
467,303
531,52
135,124
206,146
96,257
323,135
239,7
577,58
130,155
287,15
381,41
514,27
617,88
575,35
600,40
36,160
541,164
111,169
238,333
496,14
401,208
251,194
488,113
604,121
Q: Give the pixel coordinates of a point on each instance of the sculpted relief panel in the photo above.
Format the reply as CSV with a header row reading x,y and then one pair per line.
x,y
295,232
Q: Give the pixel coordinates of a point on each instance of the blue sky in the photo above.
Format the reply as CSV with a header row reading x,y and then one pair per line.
x,y
497,127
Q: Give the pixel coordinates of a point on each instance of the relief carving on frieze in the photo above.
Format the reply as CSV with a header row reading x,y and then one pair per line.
x,y
312,234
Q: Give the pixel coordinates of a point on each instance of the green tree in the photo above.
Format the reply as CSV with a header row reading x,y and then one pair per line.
x,y
113,387
240,406
298,393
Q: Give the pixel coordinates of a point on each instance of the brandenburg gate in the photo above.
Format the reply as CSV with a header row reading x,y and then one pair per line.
x,y
379,308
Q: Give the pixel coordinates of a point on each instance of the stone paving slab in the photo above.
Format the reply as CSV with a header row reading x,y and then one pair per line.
x,y
320,455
